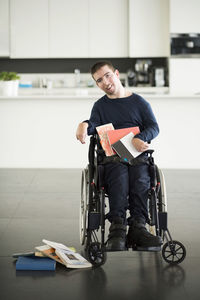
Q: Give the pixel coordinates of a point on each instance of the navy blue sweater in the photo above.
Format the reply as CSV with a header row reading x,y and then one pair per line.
x,y
124,112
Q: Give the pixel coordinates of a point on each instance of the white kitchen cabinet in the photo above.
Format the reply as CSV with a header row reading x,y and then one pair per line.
x,y
89,28
108,28
4,28
149,28
184,16
184,75
29,28
68,28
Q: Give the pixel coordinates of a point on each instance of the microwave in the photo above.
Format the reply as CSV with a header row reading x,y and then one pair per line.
x,y
185,44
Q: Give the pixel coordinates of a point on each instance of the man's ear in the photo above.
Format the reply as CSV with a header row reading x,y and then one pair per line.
x,y
117,72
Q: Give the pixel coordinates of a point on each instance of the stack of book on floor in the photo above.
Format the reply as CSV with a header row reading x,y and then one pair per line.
x,y
45,257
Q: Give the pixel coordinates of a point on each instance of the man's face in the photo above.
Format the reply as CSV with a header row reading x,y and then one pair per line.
x,y
107,80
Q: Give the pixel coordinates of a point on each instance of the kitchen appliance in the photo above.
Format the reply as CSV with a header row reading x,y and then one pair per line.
x,y
131,78
185,44
143,72
159,76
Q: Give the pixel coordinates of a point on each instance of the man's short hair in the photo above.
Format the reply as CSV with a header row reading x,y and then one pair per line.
x,y
98,65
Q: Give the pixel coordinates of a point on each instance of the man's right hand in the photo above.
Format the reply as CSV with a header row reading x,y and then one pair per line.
x,y
81,132
140,145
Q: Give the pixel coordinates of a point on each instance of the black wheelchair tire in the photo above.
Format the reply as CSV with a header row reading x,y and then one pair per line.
x,y
96,254
173,252
84,206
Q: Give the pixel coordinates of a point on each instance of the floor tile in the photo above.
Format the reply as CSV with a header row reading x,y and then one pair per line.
x,y
16,180
9,203
25,234
49,205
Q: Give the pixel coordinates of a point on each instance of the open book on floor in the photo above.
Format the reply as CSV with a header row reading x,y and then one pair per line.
x,y
73,259
69,257
125,149
50,252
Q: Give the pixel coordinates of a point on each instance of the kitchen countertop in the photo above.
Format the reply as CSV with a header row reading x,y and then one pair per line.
x,y
94,93
36,128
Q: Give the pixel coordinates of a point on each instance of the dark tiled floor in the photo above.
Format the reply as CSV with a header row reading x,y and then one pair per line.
x,y
37,204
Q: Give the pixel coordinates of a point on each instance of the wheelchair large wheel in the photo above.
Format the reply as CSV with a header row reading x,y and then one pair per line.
x,y
157,201
83,219
162,196
173,252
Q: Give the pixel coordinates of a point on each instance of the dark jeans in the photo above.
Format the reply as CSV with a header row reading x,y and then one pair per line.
x,y
127,188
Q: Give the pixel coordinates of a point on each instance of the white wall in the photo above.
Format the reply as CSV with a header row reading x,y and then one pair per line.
x,y
184,75
177,145
41,133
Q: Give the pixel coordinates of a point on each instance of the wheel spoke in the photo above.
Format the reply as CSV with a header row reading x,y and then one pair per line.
x,y
169,255
178,248
96,254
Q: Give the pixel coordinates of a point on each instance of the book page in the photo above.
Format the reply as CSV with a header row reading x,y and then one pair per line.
x,y
127,141
102,132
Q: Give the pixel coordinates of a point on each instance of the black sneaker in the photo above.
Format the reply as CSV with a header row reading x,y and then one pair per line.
x,y
117,236
138,236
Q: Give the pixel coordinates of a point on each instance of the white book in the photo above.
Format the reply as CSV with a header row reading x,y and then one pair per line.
x,y
125,149
127,141
57,245
69,257
73,259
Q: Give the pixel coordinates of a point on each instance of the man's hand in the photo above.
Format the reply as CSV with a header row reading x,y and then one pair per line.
x,y
81,132
140,145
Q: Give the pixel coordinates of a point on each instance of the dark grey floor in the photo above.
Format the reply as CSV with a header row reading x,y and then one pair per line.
x,y
37,204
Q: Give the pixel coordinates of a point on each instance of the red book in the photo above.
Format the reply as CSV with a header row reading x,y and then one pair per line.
x,y
116,134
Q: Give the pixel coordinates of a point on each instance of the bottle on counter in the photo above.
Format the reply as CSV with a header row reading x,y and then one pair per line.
x,y
77,75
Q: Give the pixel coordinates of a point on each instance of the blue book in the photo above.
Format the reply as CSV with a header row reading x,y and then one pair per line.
x,y
35,263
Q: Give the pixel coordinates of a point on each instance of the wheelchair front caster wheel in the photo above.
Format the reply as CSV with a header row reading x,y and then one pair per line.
x,y
173,252
96,254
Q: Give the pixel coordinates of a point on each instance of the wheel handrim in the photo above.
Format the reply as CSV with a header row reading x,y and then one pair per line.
x,y
83,206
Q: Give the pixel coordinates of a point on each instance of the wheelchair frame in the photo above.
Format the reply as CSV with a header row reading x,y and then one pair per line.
x,y
92,210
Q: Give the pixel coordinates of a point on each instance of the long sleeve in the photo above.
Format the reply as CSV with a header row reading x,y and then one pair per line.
x,y
150,126
94,121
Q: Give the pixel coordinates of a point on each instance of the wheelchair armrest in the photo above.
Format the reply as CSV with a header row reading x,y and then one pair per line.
x,y
150,151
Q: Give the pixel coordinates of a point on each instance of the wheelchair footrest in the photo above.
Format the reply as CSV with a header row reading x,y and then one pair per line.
x,y
149,249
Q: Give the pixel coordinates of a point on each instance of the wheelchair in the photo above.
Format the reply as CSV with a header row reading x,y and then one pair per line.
x,y
93,208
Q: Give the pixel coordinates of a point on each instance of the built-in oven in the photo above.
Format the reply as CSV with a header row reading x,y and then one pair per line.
x,y
187,44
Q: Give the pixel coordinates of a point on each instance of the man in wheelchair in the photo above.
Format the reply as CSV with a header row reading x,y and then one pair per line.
x,y
127,186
